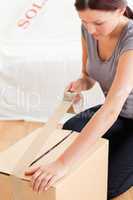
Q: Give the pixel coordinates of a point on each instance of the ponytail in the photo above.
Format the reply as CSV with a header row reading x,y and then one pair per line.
x,y
129,12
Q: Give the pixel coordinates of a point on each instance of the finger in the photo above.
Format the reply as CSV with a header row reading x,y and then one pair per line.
x,y
37,182
50,183
31,171
35,177
68,88
73,87
44,183
77,98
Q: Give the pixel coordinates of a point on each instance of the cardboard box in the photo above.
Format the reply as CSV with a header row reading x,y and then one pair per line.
x,y
87,179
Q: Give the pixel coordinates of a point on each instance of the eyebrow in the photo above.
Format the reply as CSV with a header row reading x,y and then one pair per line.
x,y
97,21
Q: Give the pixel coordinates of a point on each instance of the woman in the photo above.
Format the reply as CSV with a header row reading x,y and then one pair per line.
x,y
107,41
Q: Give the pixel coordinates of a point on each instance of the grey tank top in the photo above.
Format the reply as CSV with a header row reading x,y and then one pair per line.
x,y
104,71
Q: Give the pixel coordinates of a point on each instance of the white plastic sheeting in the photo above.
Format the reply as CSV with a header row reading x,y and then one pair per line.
x,y
130,2
40,53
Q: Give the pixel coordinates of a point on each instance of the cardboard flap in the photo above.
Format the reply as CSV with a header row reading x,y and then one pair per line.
x,y
40,139
10,157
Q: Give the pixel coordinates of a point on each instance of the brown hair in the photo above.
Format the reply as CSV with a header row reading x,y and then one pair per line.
x,y
106,5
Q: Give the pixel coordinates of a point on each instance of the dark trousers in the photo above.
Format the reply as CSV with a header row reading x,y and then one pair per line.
x,y
120,136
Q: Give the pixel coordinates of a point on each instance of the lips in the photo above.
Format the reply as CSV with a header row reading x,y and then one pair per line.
x,y
95,35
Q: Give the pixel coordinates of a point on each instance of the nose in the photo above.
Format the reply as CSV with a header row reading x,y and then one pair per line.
x,y
91,28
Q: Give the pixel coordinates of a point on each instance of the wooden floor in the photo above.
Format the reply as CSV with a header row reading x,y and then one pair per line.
x,y
12,131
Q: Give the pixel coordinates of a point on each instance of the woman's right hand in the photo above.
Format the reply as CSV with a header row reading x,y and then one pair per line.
x,y
77,86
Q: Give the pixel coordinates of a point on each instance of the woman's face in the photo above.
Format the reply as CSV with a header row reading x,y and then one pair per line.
x,y
100,23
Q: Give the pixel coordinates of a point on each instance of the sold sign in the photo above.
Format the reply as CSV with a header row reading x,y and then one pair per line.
x,y
30,14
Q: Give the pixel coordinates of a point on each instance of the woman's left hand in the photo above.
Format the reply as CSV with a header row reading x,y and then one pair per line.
x,y
43,177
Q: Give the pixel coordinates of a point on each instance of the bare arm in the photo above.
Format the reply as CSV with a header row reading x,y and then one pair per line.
x,y
107,114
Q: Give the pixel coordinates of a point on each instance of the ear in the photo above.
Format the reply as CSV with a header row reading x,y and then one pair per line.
x,y
121,11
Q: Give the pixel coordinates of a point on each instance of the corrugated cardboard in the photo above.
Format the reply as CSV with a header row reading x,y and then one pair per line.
x,y
86,179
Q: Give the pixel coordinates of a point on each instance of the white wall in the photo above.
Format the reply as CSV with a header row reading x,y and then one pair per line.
x,y
130,3
57,19
39,60
37,63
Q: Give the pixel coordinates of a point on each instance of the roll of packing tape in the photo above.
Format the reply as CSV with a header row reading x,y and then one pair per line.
x,y
69,96
89,98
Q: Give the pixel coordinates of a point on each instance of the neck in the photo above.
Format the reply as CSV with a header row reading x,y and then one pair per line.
x,y
121,25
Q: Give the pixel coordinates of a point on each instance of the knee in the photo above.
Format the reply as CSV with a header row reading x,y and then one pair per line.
x,y
71,124
76,123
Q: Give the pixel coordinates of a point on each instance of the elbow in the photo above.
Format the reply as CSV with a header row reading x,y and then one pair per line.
x,y
110,114
113,114
112,109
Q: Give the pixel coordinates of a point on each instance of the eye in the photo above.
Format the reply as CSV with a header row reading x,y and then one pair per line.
x,y
99,24
84,22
